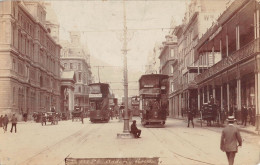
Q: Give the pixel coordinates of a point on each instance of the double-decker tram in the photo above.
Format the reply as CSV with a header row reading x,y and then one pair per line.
x,y
135,105
99,95
153,99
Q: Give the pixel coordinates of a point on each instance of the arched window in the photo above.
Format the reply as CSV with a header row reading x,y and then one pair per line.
x,y
13,94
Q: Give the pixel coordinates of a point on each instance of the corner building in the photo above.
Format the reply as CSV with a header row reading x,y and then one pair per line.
x,y
75,59
29,65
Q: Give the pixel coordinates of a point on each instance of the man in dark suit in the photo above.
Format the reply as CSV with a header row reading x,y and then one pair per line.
x,y
135,130
190,117
229,139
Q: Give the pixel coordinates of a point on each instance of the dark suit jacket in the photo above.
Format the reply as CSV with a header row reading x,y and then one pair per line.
x,y
229,139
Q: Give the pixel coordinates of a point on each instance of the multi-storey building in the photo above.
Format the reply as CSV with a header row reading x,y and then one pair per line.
x,y
74,58
29,65
168,63
199,16
153,62
234,79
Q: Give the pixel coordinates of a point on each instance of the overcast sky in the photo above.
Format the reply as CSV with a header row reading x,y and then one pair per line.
x,y
97,21
101,24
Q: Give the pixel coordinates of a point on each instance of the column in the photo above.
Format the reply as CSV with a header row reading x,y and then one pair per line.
x,y
221,96
71,99
198,99
228,96
257,93
238,97
203,95
227,43
214,92
207,93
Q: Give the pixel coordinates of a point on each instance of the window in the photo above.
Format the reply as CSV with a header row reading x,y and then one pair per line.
x,y
79,76
79,66
65,65
171,69
172,52
80,89
71,66
13,64
172,87
13,94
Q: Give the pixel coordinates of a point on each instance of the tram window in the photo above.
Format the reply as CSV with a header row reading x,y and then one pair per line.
x,y
92,106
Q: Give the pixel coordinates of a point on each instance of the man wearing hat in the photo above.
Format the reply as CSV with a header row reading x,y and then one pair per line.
x,y
135,130
229,139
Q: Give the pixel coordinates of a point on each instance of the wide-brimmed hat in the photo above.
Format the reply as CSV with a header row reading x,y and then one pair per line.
x,y
231,118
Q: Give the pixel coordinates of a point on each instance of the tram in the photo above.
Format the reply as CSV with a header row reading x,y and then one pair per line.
x,y
99,95
153,99
135,105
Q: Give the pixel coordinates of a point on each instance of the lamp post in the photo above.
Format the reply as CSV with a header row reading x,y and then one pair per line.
x,y
126,133
126,118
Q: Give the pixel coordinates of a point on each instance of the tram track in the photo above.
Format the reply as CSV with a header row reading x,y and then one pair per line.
x,y
78,137
176,154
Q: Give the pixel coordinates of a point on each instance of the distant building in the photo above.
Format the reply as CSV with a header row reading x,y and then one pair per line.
x,y
30,59
168,63
74,58
153,62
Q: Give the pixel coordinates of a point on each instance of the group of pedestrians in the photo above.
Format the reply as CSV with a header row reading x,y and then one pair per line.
x,y
4,122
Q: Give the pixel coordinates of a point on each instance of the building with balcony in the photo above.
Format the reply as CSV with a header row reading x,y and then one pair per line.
x,y
198,17
231,45
75,61
168,63
30,59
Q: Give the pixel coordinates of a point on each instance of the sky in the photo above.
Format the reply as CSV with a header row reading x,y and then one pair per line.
x,y
101,25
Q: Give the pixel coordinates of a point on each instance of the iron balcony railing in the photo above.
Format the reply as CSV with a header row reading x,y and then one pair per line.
x,y
247,51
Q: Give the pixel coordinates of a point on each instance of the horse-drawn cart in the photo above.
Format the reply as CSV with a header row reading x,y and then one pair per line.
x,y
209,113
51,117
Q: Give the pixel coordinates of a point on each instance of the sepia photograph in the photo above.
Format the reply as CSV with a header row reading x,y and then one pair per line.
x,y
129,82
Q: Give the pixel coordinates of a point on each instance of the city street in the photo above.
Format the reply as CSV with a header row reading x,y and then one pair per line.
x,y
175,144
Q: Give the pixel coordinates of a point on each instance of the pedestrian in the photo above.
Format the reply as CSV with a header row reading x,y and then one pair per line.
x,y
190,118
229,138
82,117
1,121
250,115
134,130
244,115
5,122
14,122
116,108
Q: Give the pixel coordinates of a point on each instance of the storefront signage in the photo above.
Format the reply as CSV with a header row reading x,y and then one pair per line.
x,y
148,86
95,95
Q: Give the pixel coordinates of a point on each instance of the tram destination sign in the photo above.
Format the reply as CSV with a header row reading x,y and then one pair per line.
x,y
112,161
95,95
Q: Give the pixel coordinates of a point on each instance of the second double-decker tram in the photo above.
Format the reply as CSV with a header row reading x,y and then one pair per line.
x,y
99,95
153,99
135,105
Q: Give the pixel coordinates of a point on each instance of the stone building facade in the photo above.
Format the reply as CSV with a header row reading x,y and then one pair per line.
x,y
74,57
29,65
198,17
168,64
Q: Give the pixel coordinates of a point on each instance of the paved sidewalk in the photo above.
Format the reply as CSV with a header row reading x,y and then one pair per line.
x,y
247,129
